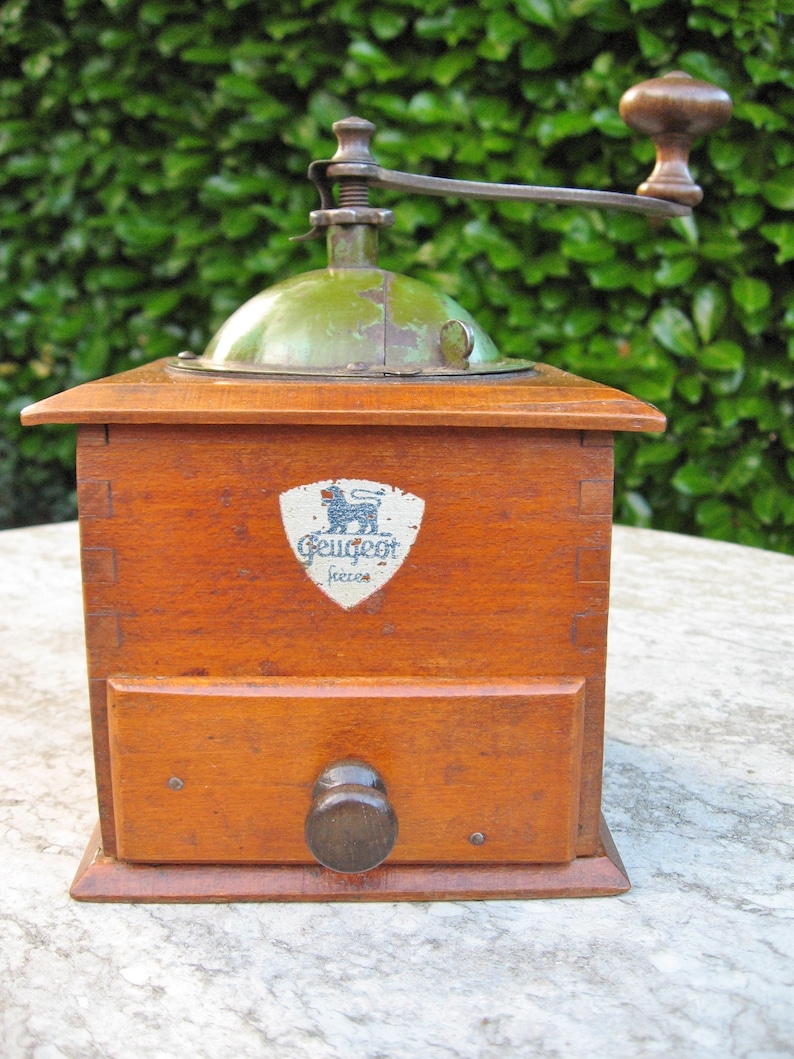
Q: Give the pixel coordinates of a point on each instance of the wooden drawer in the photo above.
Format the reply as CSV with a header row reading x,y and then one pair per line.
x,y
208,771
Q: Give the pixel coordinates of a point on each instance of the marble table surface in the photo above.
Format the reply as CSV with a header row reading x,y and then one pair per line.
x,y
697,960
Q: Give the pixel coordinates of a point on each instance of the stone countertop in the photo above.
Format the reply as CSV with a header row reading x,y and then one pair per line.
x,y
696,961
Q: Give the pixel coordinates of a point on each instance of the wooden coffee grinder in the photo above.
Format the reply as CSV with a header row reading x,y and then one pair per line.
x,y
346,577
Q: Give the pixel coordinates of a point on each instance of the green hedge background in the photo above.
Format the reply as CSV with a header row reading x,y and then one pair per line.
x,y
152,161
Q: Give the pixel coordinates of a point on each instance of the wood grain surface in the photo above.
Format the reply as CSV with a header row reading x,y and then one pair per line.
x,y
189,577
155,394
506,579
498,758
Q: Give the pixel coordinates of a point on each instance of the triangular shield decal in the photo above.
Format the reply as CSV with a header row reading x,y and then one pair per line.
x,y
349,534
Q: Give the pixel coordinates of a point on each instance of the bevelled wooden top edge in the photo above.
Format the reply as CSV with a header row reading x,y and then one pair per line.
x,y
547,399
348,687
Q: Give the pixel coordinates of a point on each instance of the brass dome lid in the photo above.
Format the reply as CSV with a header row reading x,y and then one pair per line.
x,y
348,322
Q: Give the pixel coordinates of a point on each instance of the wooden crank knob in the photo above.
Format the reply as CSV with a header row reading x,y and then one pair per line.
x,y
673,110
351,826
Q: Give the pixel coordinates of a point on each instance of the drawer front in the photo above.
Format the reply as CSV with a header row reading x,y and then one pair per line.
x,y
209,771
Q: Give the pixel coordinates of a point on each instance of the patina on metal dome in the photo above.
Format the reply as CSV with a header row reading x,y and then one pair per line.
x,y
351,320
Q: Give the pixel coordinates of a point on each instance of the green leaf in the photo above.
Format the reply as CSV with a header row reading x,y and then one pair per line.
x,y
750,294
716,519
687,228
162,303
704,66
693,480
228,187
280,29
367,53
651,46
539,12
779,191
113,277
216,272
708,310
541,268
182,169
741,472
635,510
114,39
765,412
690,387
727,155
581,321
70,326
675,272
428,108
782,235
239,87
143,233
657,453
386,25
766,505
627,227
537,55
612,275
449,67
176,36
91,356
37,66
503,31
759,116
761,72
25,165
609,123
674,331
721,247
552,128
722,356
376,60
155,12
239,223
482,237
592,251
209,55
746,214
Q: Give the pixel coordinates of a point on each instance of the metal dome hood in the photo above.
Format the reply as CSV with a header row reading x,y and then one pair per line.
x,y
351,322
351,319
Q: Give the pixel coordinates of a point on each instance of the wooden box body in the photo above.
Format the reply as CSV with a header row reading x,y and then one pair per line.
x,y
222,680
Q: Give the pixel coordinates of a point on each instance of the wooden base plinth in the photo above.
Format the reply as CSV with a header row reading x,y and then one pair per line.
x,y
102,878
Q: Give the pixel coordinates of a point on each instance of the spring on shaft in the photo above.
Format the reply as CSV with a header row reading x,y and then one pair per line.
x,y
353,193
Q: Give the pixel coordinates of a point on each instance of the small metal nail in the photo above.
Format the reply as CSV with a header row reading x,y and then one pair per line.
x,y
477,838
187,354
176,784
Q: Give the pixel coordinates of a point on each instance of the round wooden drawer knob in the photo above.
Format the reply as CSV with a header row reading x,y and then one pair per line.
x,y
351,826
